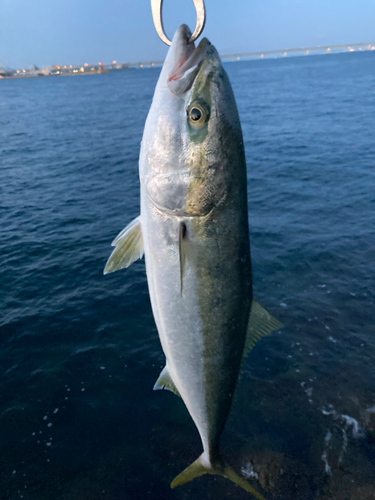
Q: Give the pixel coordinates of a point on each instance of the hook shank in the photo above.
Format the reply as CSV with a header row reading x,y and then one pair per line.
x,y
157,16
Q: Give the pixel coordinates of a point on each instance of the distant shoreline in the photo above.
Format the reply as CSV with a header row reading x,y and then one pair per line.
x,y
41,75
249,56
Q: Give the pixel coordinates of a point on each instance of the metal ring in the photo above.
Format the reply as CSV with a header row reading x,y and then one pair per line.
x,y
156,8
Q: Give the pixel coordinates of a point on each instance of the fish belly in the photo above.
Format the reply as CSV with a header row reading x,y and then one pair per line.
x,y
202,328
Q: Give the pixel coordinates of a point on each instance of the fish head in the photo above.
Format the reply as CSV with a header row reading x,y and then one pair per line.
x,y
192,144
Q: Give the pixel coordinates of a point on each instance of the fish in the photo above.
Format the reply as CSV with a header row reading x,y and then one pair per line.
x,y
194,233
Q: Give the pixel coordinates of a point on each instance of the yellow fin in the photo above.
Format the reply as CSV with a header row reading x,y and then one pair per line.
x,y
165,382
261,323
198,468
129,247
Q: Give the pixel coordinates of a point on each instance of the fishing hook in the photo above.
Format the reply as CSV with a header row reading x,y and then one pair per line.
x,y
156,8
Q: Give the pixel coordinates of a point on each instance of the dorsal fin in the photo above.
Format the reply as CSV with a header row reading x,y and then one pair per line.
x,y
128,247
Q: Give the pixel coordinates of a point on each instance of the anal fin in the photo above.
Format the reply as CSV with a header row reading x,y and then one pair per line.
x,y
165,382
128,247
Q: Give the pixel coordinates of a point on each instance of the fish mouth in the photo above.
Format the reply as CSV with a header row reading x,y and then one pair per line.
x,y
187,61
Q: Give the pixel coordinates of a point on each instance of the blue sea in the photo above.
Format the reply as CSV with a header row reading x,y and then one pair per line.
x,y
79,351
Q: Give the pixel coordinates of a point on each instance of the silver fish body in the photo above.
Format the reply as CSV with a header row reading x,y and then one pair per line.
x,y
193,229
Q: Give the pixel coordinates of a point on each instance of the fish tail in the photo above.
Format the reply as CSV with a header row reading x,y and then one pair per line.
x,y
200,467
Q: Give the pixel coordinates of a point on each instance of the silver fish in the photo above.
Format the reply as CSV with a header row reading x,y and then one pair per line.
x,y
193,231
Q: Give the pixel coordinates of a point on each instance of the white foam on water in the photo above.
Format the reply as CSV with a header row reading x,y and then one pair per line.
x,y
309,392
352,422
248,472
327,468
344,445
327,439
325,412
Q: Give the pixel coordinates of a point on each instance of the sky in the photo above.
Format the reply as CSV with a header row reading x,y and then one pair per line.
x,y
45,32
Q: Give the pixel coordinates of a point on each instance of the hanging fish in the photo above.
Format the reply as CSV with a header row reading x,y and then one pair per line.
x,y
193,231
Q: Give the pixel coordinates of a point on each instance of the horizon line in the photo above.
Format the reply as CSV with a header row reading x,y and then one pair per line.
x,y
239,55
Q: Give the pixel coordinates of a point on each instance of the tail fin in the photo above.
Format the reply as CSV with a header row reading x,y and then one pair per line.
x,y
198,468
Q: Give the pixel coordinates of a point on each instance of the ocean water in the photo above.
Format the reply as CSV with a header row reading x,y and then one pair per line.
x,y
79,351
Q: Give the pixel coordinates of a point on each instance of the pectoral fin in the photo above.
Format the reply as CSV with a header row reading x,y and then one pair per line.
x,y
165,382
261,323
129,247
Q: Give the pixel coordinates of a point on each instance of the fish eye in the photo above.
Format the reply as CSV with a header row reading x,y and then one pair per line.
x,y
197,115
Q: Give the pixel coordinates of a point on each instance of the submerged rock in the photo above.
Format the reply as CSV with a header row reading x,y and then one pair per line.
x,y
348,492
280,476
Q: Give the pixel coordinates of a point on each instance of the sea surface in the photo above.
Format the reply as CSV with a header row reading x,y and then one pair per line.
x,y
79,351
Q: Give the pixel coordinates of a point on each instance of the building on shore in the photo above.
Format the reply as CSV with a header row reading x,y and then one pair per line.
x,y
4,73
